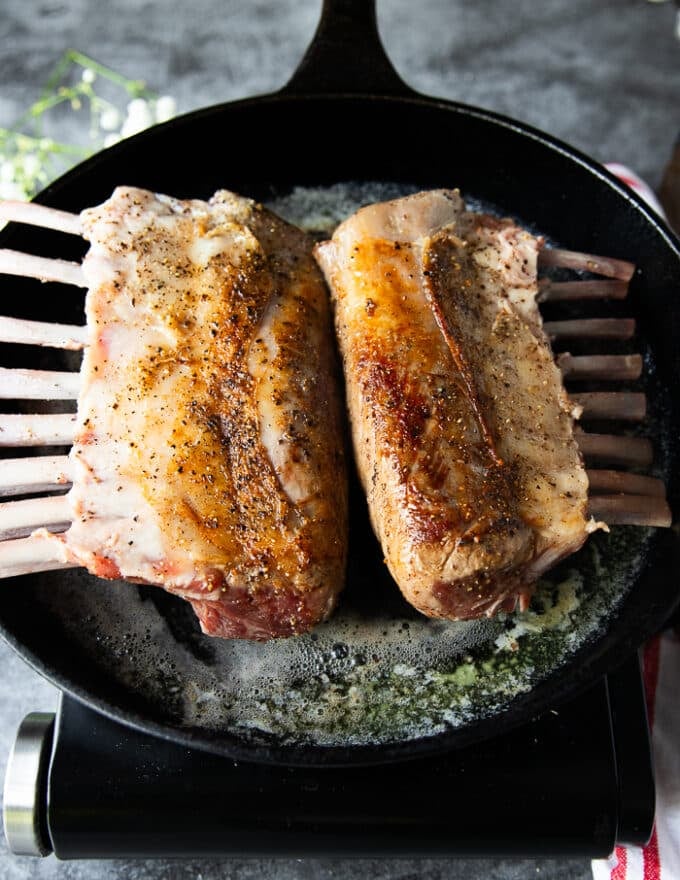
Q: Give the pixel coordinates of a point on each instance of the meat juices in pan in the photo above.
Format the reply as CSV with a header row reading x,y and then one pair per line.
x,y
208,453
462,431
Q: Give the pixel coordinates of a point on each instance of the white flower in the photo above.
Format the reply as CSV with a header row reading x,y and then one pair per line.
x,y
31,165
9,189
138,117
88,76
166,108
7,172
110,119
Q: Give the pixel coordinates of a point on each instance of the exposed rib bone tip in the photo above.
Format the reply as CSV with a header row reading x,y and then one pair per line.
x,y
631,510
615,449
605,367
16,384
29,556
610,267
18,519
569,291
591,328
38,215
34,473
42,268
627,406
37,429
66,336
603,482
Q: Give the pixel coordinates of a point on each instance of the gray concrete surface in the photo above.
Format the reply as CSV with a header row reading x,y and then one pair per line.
x,y
604,76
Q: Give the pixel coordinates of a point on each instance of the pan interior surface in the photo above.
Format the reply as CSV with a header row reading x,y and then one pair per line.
x,y
377,672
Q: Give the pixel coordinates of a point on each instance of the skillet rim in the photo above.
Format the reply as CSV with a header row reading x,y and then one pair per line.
x,y
410,98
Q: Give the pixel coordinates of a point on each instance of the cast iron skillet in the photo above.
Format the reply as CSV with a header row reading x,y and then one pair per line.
x,y
346,116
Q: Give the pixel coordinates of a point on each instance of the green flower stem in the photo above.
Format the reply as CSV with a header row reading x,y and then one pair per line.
x,y
27,142
41,106
135,87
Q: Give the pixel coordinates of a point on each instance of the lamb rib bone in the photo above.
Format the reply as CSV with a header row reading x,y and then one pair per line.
x,y
629,406
42,268
590,328
17,384
639,510
570,291
19,519
604,367
37,429
66,336
28,556
616,449
604,481
622,270
33,474
35,214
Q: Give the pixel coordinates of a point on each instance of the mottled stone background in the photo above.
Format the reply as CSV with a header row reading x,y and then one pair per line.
x,y
603,75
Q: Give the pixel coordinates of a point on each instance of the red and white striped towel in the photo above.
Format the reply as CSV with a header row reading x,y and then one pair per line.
x,y
660,858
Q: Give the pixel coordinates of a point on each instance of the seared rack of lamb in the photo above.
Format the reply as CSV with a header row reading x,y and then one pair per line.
x,y
207,449
464,436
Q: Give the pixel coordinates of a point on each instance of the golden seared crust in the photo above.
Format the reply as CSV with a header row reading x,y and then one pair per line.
x,y
211,399
462,431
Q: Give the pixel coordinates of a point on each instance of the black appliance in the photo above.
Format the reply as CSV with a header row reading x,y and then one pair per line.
x,y
574,781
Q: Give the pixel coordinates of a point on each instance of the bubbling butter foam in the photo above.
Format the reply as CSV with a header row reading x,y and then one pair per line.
x,y
351,681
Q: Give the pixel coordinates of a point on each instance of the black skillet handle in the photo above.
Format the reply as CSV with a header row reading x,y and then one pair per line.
x,y
346,55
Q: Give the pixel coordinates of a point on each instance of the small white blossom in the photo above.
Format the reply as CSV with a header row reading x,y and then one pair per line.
x,y
166,108
31,165
7,172
9,189
110,119
88,76
138,117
